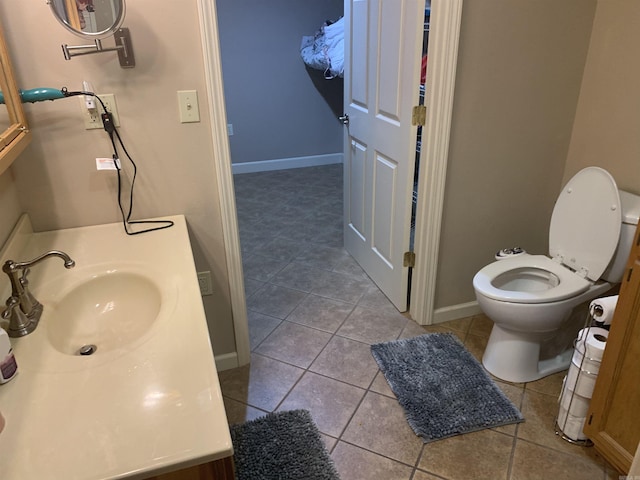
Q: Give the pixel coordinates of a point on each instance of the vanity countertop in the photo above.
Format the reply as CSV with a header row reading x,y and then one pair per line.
x,y
148,407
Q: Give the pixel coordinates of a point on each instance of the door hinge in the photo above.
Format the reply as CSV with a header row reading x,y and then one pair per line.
x,y
629,274
419,115
409,259
590,419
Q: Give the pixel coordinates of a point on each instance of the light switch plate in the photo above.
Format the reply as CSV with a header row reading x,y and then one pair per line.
x,y
188,106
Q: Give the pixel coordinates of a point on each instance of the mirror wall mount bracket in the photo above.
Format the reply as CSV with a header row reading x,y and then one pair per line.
x,y
123,47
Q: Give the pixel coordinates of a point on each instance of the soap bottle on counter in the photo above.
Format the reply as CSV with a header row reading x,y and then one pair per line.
x,y
8,365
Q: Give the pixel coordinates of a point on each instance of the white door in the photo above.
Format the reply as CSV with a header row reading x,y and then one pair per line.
x,y
383,45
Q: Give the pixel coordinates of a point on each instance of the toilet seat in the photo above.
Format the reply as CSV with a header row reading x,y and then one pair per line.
x,y
562,282
586,221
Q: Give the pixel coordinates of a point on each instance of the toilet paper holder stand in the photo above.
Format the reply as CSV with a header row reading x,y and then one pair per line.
x,y
561,425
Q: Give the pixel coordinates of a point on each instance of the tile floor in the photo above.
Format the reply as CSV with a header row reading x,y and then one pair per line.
x,y
313,314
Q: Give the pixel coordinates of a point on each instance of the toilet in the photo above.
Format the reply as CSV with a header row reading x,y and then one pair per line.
x,y
538,302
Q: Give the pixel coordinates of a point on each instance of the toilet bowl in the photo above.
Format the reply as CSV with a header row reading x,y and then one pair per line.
x,y
536,301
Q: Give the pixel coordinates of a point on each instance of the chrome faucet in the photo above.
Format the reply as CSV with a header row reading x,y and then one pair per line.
x,y
23,310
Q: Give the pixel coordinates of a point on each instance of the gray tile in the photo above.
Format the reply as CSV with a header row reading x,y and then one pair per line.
x,y
380,425
476,345
381,386
515,394
483,454
551,385
481,325
261,268
347,360
238,412
374,298
300,277
412,329
342,287
532,462
321,313
321,256
275,301
349,266
279,248
295,344
540,411
372,326
331,237
262,384
354,463
330,402
260,326
420,475
251,286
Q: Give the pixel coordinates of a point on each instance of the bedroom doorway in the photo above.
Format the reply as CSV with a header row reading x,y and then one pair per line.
x,y
432,173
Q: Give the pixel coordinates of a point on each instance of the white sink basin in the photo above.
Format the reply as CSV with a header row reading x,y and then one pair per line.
x,y
148,400
101,314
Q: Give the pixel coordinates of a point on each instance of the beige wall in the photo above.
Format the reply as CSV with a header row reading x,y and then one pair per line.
x,y
10,210
607,125
56,177
519,72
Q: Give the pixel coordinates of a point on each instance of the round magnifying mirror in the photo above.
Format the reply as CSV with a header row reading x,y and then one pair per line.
x,y
89,18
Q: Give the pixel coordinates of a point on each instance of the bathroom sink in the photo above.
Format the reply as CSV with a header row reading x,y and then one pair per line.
x,y
102,313
105,416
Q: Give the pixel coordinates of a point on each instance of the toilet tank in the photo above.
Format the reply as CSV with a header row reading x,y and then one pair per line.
x,y
630,217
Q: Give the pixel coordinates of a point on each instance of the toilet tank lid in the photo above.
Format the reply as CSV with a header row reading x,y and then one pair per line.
x,y
630,207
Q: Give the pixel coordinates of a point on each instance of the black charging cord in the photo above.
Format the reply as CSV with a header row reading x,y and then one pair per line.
x,y
109,127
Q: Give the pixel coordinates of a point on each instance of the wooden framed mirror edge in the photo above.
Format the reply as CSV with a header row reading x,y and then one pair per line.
x,y
15,138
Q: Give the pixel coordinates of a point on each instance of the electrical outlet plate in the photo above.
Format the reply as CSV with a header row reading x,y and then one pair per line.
x,y
206,285
92,118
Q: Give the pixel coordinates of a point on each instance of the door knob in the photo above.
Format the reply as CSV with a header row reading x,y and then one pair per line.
x,y
344,119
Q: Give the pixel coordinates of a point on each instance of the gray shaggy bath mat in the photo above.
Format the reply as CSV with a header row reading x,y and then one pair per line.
x,y
443,389
281,446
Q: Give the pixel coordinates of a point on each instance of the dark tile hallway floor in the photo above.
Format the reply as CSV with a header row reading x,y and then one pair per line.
x,y
313,315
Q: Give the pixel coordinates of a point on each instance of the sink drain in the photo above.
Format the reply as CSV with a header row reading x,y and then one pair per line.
x,y
87,350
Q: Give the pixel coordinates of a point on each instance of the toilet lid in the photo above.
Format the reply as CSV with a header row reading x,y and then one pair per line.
x,y
586,221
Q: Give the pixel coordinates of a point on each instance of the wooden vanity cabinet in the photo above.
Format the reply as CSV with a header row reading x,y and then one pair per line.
x,y
14,134
222,469
613,420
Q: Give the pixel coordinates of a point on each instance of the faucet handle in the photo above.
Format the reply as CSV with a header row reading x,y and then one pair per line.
x,y
19,323
12,302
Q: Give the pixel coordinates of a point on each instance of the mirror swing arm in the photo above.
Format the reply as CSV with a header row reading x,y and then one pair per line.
x,y
123,47
80,17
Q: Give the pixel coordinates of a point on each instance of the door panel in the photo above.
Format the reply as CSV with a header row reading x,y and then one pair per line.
x,y
384,193
383,46
357,88
357,191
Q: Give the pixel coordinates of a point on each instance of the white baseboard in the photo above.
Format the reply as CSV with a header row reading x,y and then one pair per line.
x,y
454,312
285,163
226,361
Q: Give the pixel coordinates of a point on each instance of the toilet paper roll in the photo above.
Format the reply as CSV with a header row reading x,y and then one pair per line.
x,y
586,364
591,342
601,309
580,382
571,425
574,404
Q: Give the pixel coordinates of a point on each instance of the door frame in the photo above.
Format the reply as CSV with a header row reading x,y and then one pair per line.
x,y
443,53
444,36
224,177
